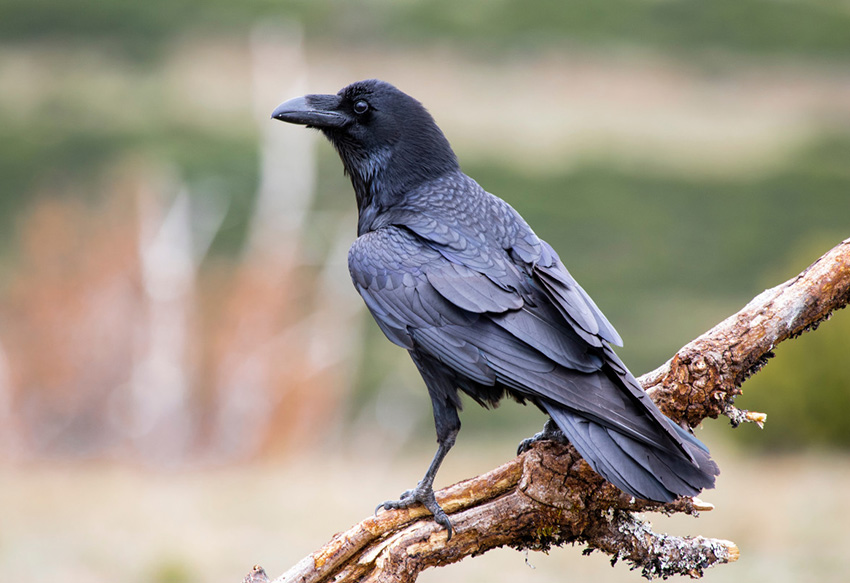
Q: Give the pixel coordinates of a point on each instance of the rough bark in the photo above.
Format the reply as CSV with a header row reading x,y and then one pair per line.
x,y
549,496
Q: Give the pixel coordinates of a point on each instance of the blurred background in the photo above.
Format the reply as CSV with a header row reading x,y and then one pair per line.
x,y
188,382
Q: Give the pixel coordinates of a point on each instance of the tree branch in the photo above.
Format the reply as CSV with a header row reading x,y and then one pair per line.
x,y
703,377
549,496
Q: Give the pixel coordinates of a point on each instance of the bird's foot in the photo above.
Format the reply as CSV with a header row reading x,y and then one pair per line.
x,y
551,432
420,495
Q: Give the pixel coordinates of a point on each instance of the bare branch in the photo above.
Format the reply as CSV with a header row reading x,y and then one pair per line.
x,y
705,375
549,496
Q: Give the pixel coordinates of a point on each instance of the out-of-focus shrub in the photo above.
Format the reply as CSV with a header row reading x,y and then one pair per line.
x,y
804,389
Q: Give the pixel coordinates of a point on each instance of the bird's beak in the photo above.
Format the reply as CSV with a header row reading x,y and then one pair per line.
x,y
318,111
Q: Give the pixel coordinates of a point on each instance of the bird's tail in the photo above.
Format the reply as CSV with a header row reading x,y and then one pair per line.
x,y
636,467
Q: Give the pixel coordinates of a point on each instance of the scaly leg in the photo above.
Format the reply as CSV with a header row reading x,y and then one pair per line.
x,y
423,493
447,424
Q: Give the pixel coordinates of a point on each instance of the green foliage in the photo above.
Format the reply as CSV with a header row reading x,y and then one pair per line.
x,y
172,570
140,29
36,158
46,157
753,26
805,389
37,155
216,164
677,253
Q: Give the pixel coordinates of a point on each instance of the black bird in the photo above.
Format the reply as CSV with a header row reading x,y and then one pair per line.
x,y
485,307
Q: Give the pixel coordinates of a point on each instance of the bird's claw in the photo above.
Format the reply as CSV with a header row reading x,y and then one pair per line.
x,y
550,432
526,444
424,496
406,500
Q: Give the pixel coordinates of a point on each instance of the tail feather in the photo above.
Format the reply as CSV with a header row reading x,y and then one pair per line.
x,y
678,474
635,467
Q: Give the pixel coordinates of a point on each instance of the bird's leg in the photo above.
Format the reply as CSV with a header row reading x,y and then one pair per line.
x,y
448,426
551,432
423,493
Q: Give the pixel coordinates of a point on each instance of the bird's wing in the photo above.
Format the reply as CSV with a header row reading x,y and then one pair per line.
x,y
390,269
571,300
512,254
487,333
491,337
410,284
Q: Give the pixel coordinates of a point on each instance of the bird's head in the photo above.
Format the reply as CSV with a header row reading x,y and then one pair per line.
x,y
387,140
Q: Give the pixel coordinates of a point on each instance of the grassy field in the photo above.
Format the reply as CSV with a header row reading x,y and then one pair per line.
x,y
82,524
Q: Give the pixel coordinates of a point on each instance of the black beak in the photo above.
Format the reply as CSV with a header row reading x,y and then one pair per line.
x,y
318,111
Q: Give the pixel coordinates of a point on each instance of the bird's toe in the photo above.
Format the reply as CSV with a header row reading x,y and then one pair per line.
x,y
424,496
550,432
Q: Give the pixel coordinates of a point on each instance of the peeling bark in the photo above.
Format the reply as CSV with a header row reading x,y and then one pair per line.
x,y
549,496
703,377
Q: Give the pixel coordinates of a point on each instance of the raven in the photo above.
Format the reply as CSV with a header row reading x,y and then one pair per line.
x,y
455,275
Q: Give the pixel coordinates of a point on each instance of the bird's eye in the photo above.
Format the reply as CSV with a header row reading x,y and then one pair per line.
x,y
361,107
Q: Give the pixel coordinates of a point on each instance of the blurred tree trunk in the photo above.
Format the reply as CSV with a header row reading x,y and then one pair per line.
x,y
284,329
549,496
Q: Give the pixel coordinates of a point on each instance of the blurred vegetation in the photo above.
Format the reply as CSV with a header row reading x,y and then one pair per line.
x,y
45,159
172,571
685,251
804,389
670,243
698,235
666,254
760,27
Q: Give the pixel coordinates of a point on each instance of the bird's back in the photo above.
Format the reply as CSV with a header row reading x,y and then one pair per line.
x,y
469,286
